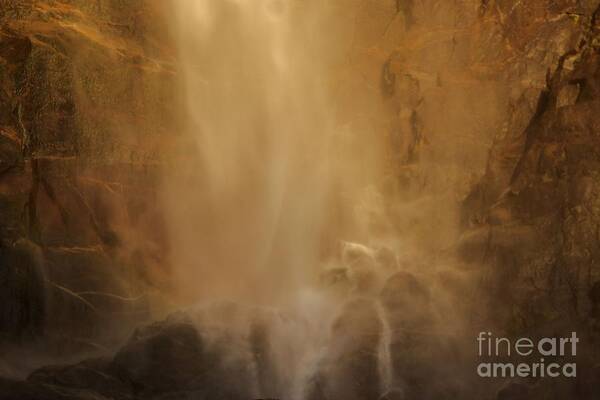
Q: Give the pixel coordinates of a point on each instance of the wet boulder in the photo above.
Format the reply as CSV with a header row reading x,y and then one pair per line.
x,y
357,254
88,375
162,357
414,342
13,390
364,266
406,297
350,369
172,358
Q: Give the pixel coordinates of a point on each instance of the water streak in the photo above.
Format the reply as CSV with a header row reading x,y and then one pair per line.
x,y
386,372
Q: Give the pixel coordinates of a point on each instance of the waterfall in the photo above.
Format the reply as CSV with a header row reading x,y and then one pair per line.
x,y
386,372
263,181
252,192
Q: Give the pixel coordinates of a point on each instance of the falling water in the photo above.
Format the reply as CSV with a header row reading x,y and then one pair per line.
x,y
262,179
255,191
386,372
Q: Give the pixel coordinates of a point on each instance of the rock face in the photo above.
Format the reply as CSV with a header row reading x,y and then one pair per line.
x,y
535,214
78,161
24,287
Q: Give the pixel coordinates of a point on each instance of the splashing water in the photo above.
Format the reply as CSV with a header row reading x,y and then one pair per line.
x,y
256,193
386,372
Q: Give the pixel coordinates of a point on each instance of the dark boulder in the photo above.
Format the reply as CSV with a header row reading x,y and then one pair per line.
x,y
350,369
171,357
14,390
88,375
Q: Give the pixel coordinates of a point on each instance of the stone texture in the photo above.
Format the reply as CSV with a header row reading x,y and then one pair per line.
x,y
82,110
548,190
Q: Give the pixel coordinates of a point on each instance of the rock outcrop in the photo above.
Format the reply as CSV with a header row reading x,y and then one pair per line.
x,y
534,216
78,157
